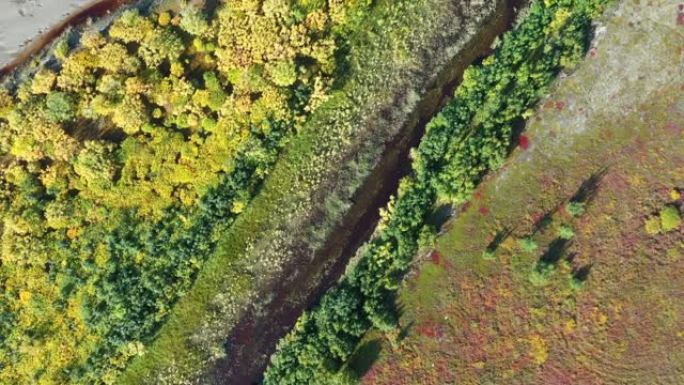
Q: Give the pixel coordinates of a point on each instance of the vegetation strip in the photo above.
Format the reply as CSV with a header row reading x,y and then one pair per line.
x,y
471,136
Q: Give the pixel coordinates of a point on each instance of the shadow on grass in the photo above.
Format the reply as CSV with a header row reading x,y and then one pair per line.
x,y
556,250
581,274
498,239
588,188
440,215
365,357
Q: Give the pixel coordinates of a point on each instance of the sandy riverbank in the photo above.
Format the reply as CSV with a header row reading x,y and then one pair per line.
x,y
24,21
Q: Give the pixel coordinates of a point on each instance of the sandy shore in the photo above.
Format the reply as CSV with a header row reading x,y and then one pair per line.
x,y
22,21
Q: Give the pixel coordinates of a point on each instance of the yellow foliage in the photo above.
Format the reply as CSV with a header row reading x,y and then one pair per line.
x,y
652,226
164,19
538,349
43,81
560,19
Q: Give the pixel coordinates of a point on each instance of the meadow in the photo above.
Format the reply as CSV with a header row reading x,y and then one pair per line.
x,y
565,266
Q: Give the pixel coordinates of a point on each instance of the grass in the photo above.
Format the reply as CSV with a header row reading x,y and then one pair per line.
x,y
600,306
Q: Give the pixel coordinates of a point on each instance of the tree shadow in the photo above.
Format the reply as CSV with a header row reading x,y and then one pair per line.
x,y
498,239
582,273
544,222
405,330
440,215
588,189
365,357
556,250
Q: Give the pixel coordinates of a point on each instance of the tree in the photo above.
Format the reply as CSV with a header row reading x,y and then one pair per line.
x,y
161,44
43,81
60,106
131,27
194,22
95,167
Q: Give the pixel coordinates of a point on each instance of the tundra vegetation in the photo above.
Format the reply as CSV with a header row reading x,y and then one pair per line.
x,y
471,136
604,158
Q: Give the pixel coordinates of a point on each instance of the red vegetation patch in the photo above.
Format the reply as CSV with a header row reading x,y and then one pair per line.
x,y
680,15
560,106
538,217
524,142
483,210
674,128
478,195
436,257
430,329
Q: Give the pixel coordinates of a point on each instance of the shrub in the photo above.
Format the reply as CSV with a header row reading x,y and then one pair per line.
x,y
528,244
565,232
575,209
540,275
652,226
489,255
670,219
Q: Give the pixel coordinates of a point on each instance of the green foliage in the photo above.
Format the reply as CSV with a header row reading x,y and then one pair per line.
x,y
469,137
194,21
576,283
489,255
540,276
566,232
60,106
131,27
670,219
575,209
528,244
283,74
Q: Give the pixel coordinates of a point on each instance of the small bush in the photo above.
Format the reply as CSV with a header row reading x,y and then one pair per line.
x,y
488,255
675,195
528,244
575,209
670,219
576,283
540,275
652,226
566,232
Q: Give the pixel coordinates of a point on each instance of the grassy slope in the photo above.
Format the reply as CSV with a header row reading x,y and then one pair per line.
x,y
472,320
342,140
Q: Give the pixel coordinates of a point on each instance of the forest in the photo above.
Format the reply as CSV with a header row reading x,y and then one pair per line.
x,y
126,157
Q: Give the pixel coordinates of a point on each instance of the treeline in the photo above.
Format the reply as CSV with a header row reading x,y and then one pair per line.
x,y
471,136
127,156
